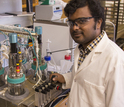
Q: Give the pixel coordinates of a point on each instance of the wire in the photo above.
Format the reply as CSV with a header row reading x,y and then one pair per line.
x,y
4,36
22,44
6,41
24,61
37,81
57,98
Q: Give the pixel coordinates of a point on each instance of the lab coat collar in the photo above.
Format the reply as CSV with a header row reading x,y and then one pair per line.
x,y
93,55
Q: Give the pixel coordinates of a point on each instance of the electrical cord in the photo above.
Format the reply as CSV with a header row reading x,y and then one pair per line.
x,y
57,98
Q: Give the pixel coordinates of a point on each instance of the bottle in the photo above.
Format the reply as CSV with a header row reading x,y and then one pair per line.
x,y
67,56
66,64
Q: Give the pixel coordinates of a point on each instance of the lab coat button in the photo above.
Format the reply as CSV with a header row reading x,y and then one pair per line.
x,y
74,80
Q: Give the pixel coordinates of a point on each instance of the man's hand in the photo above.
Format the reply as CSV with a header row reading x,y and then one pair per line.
x,y
58,77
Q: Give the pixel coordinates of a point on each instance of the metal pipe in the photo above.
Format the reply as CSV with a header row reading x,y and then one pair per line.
x,y
117,19
60,50
114,29
18,32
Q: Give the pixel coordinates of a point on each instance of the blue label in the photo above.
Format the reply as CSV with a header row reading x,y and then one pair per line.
x,y
57,10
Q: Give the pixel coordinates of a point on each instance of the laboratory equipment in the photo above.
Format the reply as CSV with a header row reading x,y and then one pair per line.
x,y
48,12
32,87
46,92
38,64
3,53
19,91
15,77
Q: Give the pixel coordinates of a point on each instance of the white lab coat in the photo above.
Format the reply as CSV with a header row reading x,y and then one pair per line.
x,y
99,81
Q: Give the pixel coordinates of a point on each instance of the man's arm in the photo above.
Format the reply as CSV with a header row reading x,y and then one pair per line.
x,y
65,79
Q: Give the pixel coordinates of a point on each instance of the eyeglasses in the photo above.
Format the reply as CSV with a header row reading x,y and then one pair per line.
x,y
80,22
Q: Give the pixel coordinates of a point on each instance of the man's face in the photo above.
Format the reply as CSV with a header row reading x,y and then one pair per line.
x,y
84,30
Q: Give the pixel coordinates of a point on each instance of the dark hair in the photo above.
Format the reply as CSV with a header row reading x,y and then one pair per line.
x,y
94,5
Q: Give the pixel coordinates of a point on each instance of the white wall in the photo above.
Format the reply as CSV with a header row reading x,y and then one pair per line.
x,y
60,39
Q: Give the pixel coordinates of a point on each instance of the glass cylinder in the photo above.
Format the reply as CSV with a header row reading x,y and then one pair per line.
x,y
16,89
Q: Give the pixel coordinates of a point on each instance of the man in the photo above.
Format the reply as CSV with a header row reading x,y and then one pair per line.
x,y
97,78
